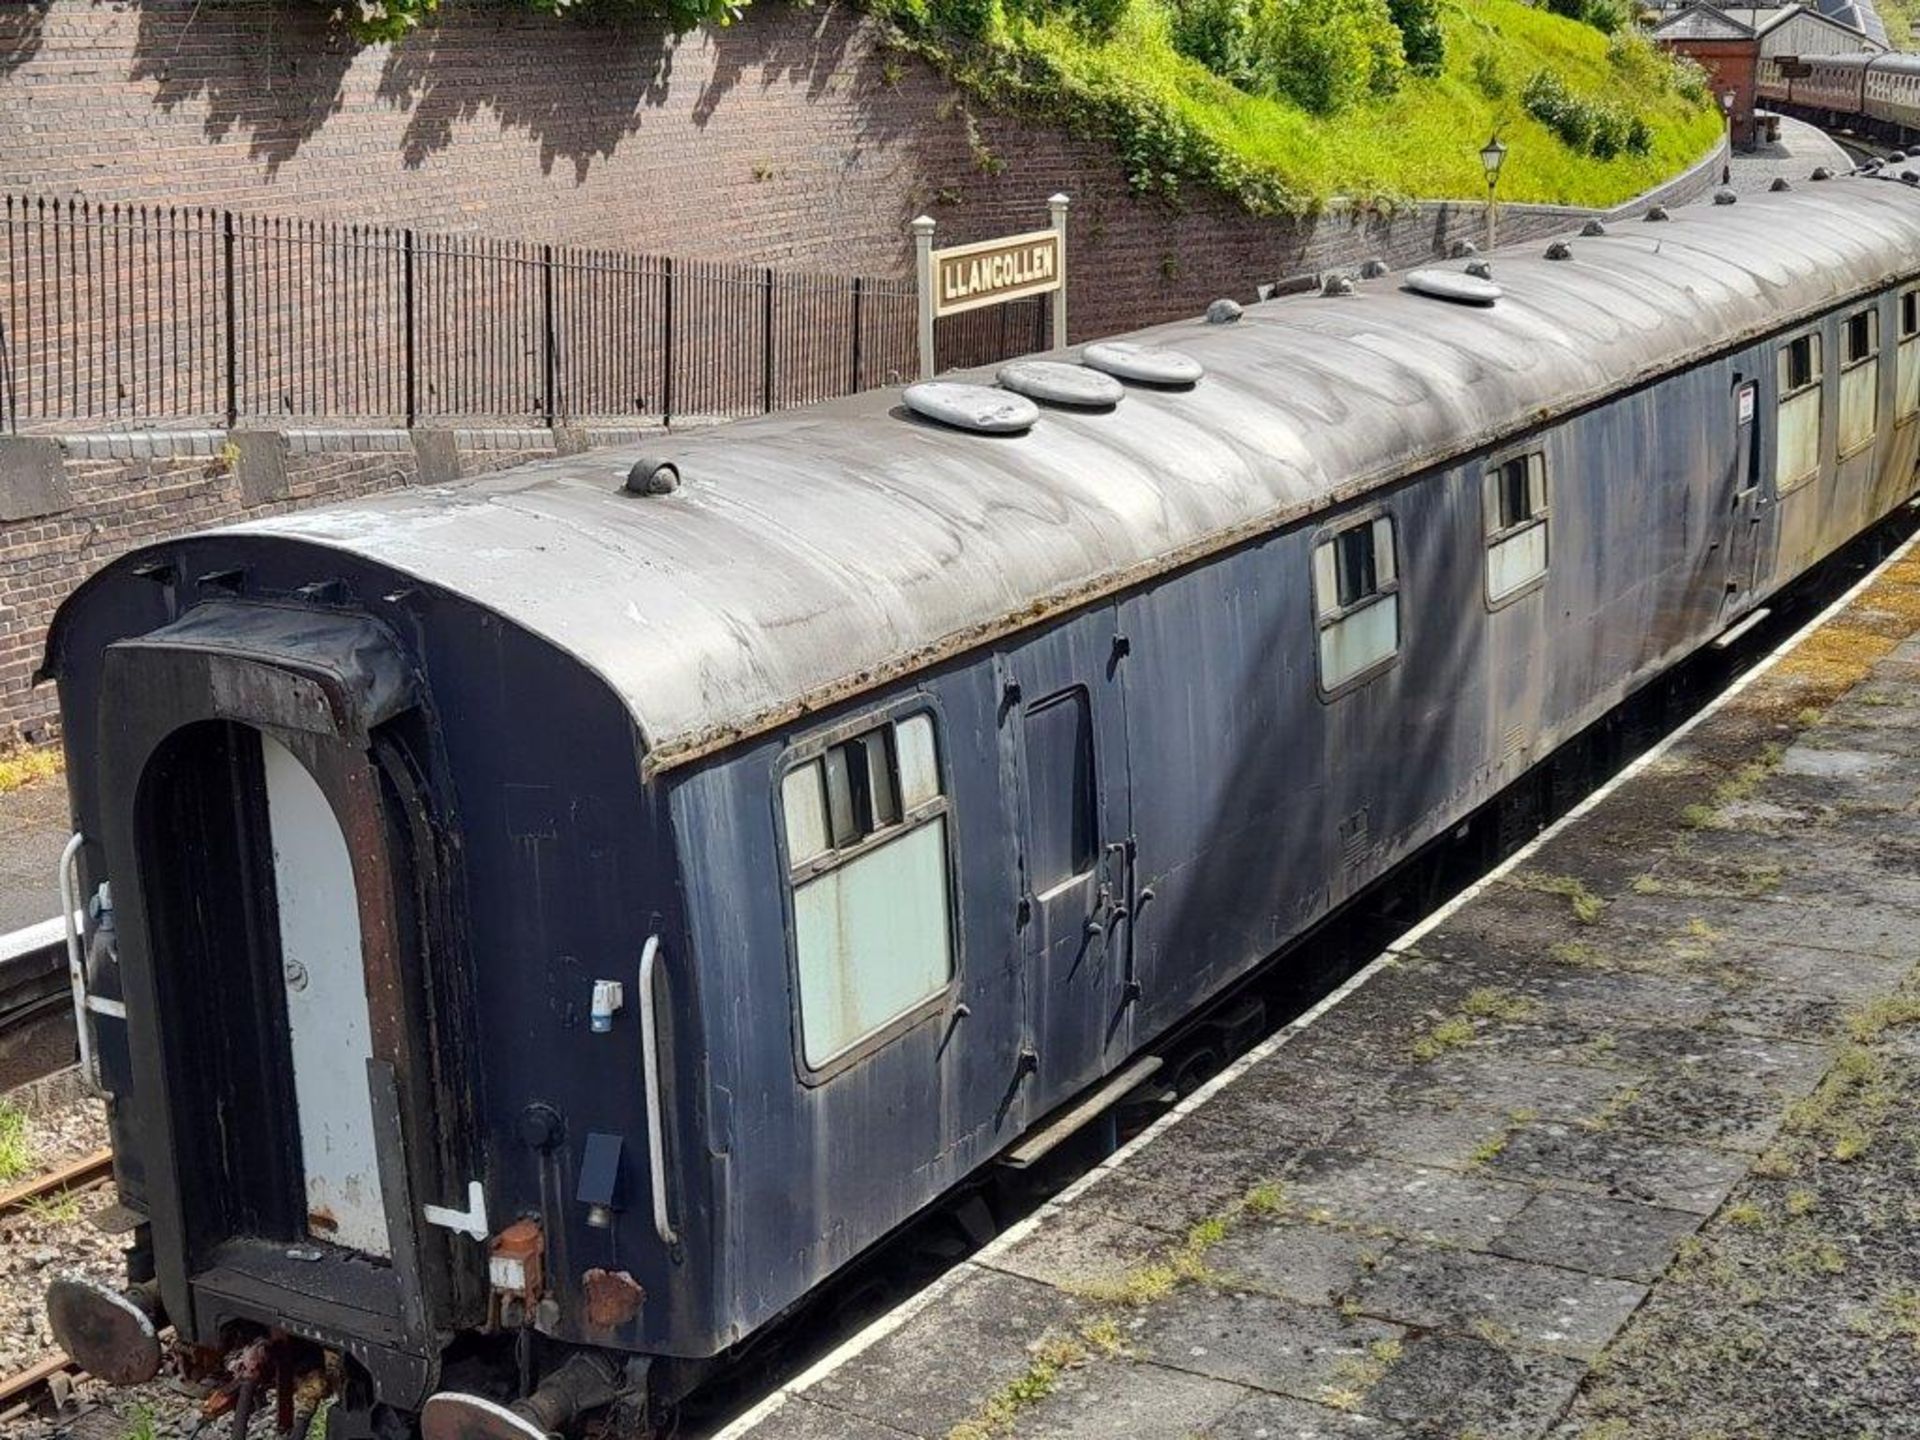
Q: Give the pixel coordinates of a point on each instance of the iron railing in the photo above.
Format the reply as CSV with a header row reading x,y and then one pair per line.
x,y
135,315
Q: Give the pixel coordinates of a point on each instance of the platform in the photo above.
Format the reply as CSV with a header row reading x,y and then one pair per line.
x,y
1621,1144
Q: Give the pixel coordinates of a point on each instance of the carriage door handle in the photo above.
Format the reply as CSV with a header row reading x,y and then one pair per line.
x,y
650,1074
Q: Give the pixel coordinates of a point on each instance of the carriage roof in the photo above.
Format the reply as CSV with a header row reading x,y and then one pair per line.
x,y
813,554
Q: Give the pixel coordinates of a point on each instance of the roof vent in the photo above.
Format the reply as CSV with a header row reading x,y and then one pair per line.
x,y
652,476
1658,212
1780,182
1481,269
1821,172
1559,250
1446,285
1898,157
1372,268
1145,364
979,408
1592,228
1462,248
1337,284
1910,177
1725,197
1058,383
1223,312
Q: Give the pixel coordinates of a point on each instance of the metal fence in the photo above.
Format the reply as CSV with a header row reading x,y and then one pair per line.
x,y
152,315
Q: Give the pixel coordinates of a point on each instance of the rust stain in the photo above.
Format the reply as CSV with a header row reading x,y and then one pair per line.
x,y
613,1298
322,1219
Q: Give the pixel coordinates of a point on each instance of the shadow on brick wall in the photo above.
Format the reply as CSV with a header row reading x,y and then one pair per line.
x,y
272,71
577,117
20,31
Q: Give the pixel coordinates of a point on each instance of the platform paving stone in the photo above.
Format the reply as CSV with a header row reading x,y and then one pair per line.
x,y
1619,1238
1628,1148
1280,1417
1311,1352
1540,1307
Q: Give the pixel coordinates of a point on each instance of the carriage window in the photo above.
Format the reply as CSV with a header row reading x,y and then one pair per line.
x,y
1859,379
866,825
1906,389
1062,821
1798,420
1514,500
1356,595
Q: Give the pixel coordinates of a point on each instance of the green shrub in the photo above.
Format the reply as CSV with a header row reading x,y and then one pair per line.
x,y
1421,34
1327,55
391,19
1487,76
1606,16
972,18
1099,16
1603,129
1217,33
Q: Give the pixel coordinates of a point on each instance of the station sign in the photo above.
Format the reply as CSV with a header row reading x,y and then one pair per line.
x,y
965,277
959,278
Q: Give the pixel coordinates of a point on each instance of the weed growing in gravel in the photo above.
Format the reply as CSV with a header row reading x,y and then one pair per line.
x,y
1492,1003
1049,1357
1449,1034
22,767
1585,904
16,1150
142,1427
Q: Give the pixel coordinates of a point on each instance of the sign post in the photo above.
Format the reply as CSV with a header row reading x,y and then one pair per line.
x,y
990,272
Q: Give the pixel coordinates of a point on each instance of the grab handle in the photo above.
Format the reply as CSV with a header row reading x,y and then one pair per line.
x,y
76,957
650,1073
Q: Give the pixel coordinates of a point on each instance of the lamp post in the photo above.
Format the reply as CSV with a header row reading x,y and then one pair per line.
x,y
1727,99
1492,156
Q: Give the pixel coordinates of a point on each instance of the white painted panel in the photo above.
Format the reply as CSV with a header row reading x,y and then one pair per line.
x,y
872,940
1516,561
1358,642
1797,449
1859,405
806,808
919,764
326,989
1908,387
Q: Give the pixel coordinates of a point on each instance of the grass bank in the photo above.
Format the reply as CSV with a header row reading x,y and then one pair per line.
x,y
1178,124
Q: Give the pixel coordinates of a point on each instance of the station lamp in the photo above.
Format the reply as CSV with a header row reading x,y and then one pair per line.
x,y
1493,155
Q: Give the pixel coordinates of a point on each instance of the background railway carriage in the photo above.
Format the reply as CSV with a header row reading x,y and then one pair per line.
x,y
557,923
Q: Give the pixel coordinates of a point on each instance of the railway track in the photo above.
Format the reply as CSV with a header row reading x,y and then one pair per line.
x,y
22,1390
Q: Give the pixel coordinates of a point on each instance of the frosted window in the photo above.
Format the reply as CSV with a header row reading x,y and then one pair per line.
x,y
873,941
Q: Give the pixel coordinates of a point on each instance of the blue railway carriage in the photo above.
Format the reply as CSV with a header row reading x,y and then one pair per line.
x,y
559,924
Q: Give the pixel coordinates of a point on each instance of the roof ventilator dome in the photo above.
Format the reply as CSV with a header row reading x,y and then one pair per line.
x,y
979,408
1821,172
1337,284
1559,250
1658,212
1910,177
1058,383
1780,182
1592,228
1725,197
1143,364
1372,268
1223,312
651,475
1480,269
1446,285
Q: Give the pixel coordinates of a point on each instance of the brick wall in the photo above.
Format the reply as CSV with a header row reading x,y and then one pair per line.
x,y
796,138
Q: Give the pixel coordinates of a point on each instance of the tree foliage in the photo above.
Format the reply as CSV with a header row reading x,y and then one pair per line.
x,y
1421,34
391,19
1326,55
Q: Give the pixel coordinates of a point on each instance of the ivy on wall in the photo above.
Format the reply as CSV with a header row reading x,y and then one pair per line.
x,y
390,19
